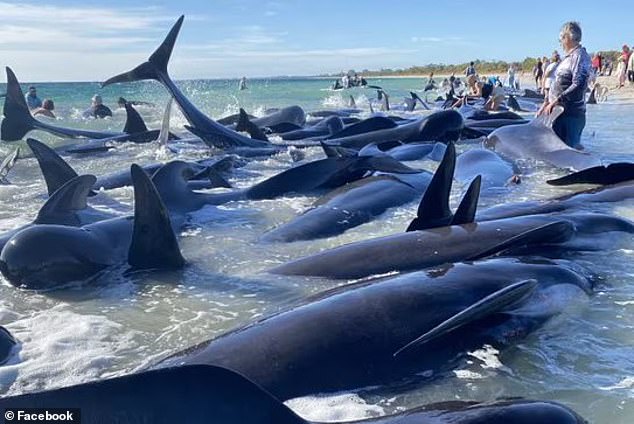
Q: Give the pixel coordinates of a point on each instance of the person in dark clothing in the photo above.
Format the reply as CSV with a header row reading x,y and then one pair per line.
x,y
97,109
569,89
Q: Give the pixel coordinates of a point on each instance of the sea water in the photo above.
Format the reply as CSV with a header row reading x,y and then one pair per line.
x,y
116,323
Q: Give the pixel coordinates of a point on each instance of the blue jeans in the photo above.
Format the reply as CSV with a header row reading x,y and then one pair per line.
x,y
569,129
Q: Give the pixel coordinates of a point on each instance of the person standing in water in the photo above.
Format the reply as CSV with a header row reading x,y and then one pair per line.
x,y
97,109
32,100
243,84
549,73
569,89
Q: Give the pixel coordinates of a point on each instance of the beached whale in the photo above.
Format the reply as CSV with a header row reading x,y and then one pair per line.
x,y
18,121
47,256
439,126
495,171
211,132
56,171
536,140
208,394
378,332
350,206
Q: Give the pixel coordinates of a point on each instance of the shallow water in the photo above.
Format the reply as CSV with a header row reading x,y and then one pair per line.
x,y
116,324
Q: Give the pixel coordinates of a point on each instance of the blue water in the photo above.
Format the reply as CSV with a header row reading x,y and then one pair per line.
x,y
118,323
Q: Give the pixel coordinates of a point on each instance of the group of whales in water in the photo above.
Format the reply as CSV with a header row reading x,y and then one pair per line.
x,y
450,283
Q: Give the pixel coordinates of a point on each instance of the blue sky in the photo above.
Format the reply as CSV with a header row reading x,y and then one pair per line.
x,y
69,40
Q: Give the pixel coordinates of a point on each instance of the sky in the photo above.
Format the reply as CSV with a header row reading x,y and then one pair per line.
x,y
70,40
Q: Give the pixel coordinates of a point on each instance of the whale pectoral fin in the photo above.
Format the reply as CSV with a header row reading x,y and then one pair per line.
x,y
329,150
134,124
494,303
18,120
164,134
7,164
465,214
56,171
433,210
612,174
69,198
154,243
555,232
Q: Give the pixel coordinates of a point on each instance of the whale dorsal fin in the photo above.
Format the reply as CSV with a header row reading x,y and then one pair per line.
x,y
498,301
134,124
352,103
56,171
154,243
465,214
433,210
69,198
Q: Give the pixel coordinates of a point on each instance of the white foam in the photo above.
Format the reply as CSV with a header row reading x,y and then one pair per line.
x,y
334,408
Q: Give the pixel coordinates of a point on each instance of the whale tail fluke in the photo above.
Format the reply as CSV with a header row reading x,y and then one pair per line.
x,y
154,244
18,120
156,64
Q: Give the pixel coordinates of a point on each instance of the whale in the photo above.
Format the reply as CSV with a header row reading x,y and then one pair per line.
x,y
495,171
66,206
326,127
155,68
48,256
437,235
57,171
18,121
350,206
7,343
536,140
381,331
214,394
439,126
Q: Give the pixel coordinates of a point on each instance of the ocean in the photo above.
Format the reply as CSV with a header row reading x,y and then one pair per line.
x,y
118,323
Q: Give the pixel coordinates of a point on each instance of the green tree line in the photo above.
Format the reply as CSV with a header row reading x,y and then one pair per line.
x,y
484,67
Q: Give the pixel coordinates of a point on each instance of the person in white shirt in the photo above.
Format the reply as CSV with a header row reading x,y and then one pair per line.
x,y
550,73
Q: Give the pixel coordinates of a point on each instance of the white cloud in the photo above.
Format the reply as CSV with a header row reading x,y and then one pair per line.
x,y
448,40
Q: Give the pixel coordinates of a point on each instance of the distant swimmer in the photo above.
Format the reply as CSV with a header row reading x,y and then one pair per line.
x,y
243,84
97,109
31,98
46,110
